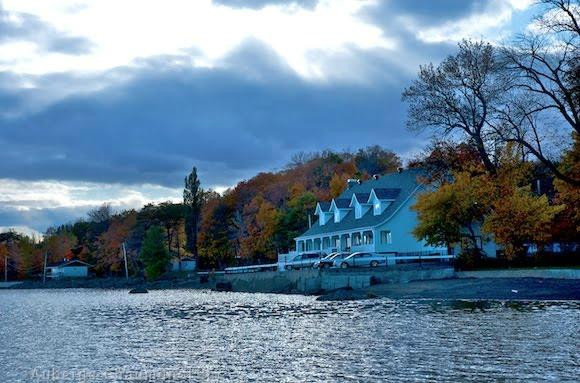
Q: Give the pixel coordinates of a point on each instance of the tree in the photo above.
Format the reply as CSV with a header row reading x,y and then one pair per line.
x,y
459,97
501,204
154,253
262,218
108,251
58,245
451,212
569,194
293,220
376,160
337,185
193,196
544,65
216,247
101,214
519,218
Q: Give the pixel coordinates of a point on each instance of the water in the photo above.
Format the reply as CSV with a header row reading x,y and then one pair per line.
x,y
186,336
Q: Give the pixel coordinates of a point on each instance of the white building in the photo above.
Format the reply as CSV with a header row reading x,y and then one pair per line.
x,y
68,269
183,264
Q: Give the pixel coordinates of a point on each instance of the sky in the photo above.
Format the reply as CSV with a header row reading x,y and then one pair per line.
x,y
115,101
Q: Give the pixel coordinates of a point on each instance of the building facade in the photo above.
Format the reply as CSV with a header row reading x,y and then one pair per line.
x,y
68,269
373,216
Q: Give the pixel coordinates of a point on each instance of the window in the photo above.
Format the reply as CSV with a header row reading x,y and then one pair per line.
x,y
386,237
356,240
368,238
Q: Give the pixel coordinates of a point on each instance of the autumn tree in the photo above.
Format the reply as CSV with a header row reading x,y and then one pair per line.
x,y
154,253
109,256
58,245
451,212
216,247
520,218
258,243
337,185
193,196
500,205
569,194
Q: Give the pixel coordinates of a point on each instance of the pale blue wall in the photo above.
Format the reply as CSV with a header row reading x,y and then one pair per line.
x,y
71,271
401,227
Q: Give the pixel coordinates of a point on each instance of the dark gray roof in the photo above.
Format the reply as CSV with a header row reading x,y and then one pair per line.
x,y
72,262
362,197
342,203
325,206
405,182
387,193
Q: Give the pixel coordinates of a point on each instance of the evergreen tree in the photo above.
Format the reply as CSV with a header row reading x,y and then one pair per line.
x,y
193,196
154,253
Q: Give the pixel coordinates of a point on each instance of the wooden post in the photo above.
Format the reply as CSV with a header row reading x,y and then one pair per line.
x,y
44,269
125,258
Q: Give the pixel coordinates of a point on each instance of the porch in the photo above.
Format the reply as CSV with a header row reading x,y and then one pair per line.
x,y
353,241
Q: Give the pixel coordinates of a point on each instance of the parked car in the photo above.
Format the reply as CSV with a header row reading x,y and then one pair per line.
x,y
361,259
329,260
302,261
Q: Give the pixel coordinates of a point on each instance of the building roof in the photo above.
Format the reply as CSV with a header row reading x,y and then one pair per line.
x,y
387,193
362,197
73,262
394,186
324,205
342,203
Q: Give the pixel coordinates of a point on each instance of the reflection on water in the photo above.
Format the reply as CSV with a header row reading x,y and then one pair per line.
x,y
184,335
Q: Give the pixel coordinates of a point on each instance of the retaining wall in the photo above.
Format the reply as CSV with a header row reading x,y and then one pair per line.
x,y
521,273
312,281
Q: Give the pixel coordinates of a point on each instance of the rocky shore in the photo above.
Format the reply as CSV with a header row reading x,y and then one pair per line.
x,y
487,288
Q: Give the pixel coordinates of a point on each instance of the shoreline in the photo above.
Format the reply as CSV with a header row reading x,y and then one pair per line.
x,y
464,288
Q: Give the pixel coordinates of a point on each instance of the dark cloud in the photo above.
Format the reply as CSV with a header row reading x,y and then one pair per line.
x,y
257,4
40,219
250,115
23,26
425,12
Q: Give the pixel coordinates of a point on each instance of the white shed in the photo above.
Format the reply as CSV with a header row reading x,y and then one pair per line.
x,y
183,264
68,269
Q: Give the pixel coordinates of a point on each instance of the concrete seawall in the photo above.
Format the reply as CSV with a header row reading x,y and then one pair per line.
x,y
312,281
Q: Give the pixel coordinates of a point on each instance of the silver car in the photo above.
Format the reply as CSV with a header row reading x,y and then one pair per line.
x,y
303,261
361,259
330,260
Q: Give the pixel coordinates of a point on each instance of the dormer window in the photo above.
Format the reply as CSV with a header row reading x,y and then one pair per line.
x,y
340,208
323,213
382,198
359,203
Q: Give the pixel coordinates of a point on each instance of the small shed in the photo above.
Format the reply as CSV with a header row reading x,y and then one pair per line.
x,y
183,264
68,269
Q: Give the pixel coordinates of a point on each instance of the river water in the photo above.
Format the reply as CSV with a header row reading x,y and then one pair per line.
x,y
188,336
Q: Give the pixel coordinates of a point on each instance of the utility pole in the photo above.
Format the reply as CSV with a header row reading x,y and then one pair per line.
x,y
125,258
44,269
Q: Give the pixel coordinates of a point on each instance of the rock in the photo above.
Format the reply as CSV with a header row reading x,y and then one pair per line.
x,y
138,290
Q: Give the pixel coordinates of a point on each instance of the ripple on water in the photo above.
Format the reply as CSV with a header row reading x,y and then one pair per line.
x,y
185,335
